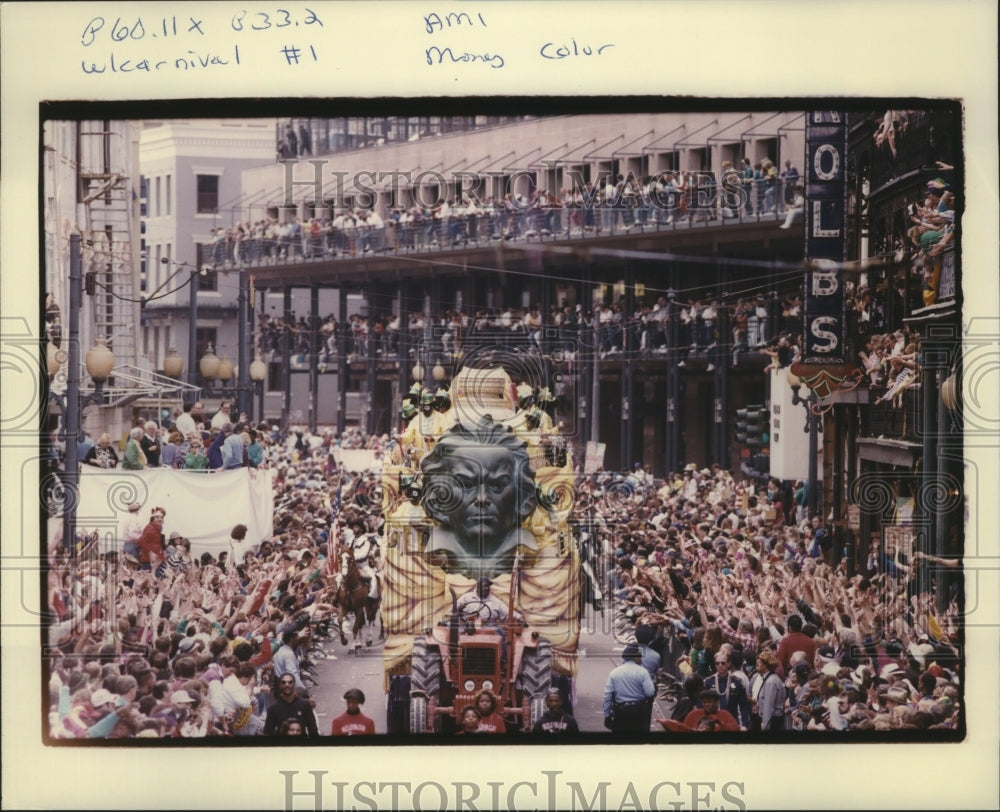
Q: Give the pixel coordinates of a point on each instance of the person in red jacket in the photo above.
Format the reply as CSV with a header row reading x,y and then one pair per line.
x,y
152,545
794,640
708,717
489,720
353,722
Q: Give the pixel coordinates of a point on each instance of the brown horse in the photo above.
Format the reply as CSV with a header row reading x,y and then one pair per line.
x,y
354,597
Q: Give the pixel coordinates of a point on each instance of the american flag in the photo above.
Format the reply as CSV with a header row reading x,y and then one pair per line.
x,y
338,498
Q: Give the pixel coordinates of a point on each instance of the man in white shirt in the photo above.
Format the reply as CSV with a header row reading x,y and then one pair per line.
x,y
221,417
185,423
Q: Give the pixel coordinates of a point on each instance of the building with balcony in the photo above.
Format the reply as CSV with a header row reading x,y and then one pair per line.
x,y
531,226
903,440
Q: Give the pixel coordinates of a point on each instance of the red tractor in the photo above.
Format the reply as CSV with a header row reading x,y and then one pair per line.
x,y
472,652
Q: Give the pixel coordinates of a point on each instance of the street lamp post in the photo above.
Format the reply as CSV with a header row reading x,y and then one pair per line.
x,y
100,361
193,332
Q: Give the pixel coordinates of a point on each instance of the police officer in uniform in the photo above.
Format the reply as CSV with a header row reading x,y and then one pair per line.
x,y
628,694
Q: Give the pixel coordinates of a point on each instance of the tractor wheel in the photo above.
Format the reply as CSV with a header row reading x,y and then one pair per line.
x,y
536,711
418,714
536,670
398,704
425,668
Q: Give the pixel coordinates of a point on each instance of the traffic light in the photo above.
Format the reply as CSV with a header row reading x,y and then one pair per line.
x,y
755,429
90,283
741,426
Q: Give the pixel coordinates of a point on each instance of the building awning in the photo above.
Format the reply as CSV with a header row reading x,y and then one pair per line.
x,y
623,150
890,452
695,132
596,153
552,162
577,148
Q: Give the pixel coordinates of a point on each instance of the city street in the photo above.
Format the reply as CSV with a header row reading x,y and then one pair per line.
x,y
599,653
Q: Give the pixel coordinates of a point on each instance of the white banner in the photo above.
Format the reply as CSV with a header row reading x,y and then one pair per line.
x,y
202,507
357,460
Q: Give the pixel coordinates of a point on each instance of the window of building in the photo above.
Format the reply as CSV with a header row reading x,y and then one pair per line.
x,y
208,194
158,211
275,377
208,281
167,192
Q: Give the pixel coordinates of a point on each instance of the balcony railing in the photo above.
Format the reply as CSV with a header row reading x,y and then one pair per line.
x,y
492,226
899,420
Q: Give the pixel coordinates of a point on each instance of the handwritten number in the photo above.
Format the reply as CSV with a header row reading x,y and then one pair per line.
x,y
267,21
288,18
312,18
119,33
238,21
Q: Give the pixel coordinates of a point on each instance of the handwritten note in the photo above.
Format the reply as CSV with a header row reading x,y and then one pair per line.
x,y
269,38
132,44
435,23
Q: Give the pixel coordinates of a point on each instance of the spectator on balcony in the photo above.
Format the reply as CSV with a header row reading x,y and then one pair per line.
x,y
134,458
885,133
233,450
292,140
151,444
730,193
759,176
748,185
796,207
305,141
902,375
195,459
790,182
172,455
741,321
769,174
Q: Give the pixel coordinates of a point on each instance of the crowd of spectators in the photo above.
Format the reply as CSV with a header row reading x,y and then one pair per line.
x,y
727,581
721,578
614,204
763,323
157,640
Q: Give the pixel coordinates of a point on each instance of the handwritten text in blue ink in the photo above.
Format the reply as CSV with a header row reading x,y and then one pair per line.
x,y
433,22
493,60
137,29
192,60
552,51
279,18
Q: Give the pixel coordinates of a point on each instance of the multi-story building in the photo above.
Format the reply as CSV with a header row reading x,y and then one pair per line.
x,y
191,195
903,444
644,407
91,184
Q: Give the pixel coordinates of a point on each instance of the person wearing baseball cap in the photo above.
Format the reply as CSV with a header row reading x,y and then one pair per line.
x,y
628,694
353,722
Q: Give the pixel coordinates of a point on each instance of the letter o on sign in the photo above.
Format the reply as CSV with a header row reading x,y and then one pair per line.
x,y
834,161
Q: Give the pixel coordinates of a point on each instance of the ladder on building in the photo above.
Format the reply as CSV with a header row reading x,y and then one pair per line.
x,y
107,197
